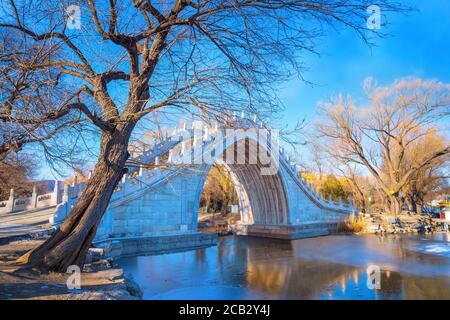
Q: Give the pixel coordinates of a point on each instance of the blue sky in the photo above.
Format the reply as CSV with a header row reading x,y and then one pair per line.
x,y
418,45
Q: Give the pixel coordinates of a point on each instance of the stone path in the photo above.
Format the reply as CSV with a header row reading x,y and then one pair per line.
x,y
25,222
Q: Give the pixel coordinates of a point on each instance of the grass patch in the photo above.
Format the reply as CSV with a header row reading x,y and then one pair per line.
x,y
352,225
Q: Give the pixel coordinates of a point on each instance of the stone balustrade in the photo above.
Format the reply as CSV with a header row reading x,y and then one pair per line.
x,y
16,204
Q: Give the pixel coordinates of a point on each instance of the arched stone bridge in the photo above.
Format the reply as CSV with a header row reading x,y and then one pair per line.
x,y
162,203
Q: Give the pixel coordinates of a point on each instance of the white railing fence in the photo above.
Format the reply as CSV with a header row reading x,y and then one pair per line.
x,y
16,204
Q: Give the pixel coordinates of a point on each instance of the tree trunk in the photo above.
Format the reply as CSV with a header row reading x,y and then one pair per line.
x,y
395,205
419,208
413,202
69,244
362,205
419,203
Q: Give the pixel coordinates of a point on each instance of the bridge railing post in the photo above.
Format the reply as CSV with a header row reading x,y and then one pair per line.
x,y
10,203
74,187
56,193
33,200
124,182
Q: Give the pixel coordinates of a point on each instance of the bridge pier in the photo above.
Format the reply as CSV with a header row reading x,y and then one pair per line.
x,y
290,232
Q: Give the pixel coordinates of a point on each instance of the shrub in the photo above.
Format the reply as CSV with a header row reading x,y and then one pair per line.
x,y
352,225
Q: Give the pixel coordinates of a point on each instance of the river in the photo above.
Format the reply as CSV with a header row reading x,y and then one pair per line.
x,y
332,267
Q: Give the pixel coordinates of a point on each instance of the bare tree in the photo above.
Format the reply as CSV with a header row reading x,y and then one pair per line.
x,y
431,176
358,185
29,94
200,56
381,136
218,189
15,172
324,161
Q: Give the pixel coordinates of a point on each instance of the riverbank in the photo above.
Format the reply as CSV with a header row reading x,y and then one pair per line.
x,y
99,280
400,224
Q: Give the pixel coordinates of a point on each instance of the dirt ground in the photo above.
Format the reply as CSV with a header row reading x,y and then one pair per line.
x,y
98,282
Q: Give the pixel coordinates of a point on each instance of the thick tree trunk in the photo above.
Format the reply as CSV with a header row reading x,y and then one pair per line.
x,y
419,208
395,205
362,205
413,203
416,203
69,244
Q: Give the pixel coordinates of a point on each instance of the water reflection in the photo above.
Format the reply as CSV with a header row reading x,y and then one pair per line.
x,y
331,267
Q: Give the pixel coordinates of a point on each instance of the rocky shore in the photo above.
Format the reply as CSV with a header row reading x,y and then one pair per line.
x,y
100,280
389,224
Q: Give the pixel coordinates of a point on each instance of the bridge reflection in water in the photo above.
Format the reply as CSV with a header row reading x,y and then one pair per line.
x,y
256,268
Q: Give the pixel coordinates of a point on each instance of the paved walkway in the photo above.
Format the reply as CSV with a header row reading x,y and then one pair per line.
x,y
25,222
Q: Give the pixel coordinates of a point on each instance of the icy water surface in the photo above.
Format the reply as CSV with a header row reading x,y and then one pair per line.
x,y
332,267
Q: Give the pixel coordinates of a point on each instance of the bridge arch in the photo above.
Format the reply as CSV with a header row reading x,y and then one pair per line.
x,y
262,198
